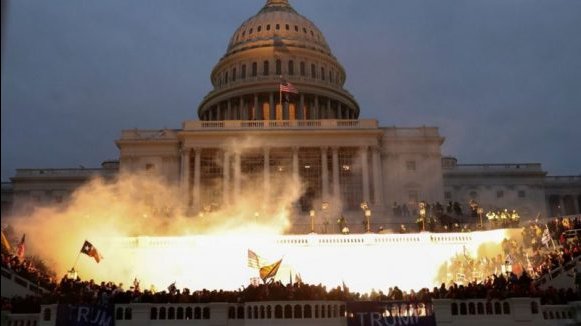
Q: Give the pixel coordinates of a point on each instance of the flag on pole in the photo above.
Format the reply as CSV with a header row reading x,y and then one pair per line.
x,y
546,237
269,271
253,259
172,288
5,243
287,87
21,248
509,260
90,250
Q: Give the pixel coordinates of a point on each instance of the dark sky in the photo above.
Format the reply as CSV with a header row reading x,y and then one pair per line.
x,y
501,78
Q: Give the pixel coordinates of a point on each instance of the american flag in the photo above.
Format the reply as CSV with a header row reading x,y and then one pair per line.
x,y
287,87
253,259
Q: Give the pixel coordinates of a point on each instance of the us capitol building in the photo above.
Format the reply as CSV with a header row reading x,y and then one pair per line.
x,y
249,138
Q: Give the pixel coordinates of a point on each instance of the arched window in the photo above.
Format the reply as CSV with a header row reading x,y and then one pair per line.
x,y
268,27
278,67
243,72
497,310
231,313
240,313
268,312
480,308
233,74
302,68
197,313
296,28
119,313
265,68
128,314
463,308
180,313
171,313
342,310
534,307
46,316
471,308
454,308
291,67
189,314
153,313
316,311
287,27
255,312
323,315
308,311
206,313
278,311
489,308
277,27
298,311
506,308
162,313
288,311
262,312
249,312
329,311
259,28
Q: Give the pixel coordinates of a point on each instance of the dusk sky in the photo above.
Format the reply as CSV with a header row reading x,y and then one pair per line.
x,y
500,78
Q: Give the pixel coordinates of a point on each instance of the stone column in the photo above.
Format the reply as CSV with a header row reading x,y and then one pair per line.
x,y
336,184
185,173
562,205
229,111
226,179
266,174
236,176
295,164
243,111
377,178
197,171
324,174
316,109
256,110
271,107
365,173
301,112
339,110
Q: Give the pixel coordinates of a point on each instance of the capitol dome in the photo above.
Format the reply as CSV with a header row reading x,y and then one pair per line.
x,y
275,46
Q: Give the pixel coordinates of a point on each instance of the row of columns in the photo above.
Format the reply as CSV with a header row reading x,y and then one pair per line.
x,y
340,112
227,198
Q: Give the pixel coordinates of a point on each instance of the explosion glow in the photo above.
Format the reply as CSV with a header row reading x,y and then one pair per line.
x,y
210,251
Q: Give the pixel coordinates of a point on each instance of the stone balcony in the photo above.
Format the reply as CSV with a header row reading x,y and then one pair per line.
x,y
194,125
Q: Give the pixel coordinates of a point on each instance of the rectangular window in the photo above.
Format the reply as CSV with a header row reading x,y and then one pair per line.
x,y
522,194
313,71
302,68
234,74
322,73
243,72
254,69
265,69
499,194
410,165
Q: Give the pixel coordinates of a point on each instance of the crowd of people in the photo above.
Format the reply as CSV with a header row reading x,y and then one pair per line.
x,y
435,217
509,274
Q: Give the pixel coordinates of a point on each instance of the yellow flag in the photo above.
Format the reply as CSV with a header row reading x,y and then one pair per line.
x,y
269,271
5,243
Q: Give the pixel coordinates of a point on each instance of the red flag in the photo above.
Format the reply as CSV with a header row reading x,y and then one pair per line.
x,y
90,250
21,247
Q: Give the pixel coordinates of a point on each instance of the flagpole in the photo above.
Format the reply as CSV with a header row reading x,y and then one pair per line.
x,y
76,260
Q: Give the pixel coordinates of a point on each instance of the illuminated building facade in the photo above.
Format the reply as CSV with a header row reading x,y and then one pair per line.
x,y
251,138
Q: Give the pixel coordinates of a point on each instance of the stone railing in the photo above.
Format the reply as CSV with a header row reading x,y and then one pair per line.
x,y
278,124
497,167
50,173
